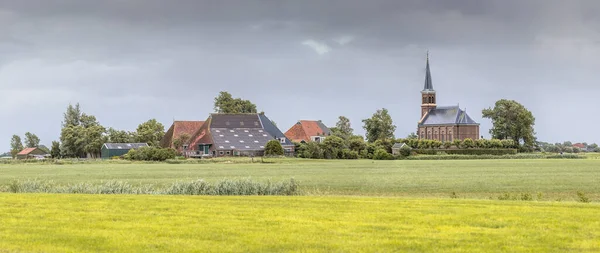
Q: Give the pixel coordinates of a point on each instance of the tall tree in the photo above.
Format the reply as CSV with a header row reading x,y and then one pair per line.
x,y
55,151
380,126
225,103
150,132
31,140
119,136
16,145
343,128
72,116
412,136
81,134
511,120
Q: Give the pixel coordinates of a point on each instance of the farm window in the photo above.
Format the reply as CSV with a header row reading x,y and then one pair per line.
x,y
220,152
228,152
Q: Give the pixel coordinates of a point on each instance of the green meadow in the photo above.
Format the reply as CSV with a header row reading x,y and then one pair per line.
x,y
146,223
550,179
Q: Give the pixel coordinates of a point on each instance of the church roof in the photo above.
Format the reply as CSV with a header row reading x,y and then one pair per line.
x,y
450,115
428,83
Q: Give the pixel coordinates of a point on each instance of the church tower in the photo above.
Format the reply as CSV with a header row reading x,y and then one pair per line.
x,y
428,101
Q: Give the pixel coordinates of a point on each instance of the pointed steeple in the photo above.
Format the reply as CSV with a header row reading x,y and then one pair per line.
x,y
428,82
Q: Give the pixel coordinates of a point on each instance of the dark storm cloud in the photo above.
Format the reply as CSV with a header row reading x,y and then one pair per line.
x,y
168,59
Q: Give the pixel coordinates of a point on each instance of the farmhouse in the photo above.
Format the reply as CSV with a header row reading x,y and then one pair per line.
x,y
30,153
244,134
308,130
397,147
443,123
109,150
177,137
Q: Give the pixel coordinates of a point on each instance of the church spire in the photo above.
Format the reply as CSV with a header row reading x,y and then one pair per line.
x,y
428,82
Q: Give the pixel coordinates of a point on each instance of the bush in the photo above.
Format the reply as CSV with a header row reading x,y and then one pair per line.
x,y
467,151
151,154
349,154
382,154
273,148
582,198
468,143
405,151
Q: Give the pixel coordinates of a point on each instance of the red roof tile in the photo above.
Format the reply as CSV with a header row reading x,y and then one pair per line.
x,y
579,145
26,151
304,129
178,129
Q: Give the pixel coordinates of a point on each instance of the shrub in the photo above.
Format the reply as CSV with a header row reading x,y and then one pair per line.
x,y
468,151
151,154
468,143
273,148
349,154
382,154
405,151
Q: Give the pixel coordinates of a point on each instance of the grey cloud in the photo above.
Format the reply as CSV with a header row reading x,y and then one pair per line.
x,y
127,61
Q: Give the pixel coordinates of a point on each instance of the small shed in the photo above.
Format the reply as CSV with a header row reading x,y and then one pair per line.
x,y
396,148
30,153
118,149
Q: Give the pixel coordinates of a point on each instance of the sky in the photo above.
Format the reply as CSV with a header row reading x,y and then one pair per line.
x,y
129,61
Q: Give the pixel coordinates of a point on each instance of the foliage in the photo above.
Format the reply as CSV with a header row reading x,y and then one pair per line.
x,y
16,145
382,154
150,132
332,147
151,154
405,151
81,134
312,150
511,120
55,151
468,143
31,140
225,103
473,151
273,148
119,136
412,136
380,126
343,128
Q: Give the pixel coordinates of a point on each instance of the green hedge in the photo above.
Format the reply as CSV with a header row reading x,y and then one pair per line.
x,y
484,157
474,151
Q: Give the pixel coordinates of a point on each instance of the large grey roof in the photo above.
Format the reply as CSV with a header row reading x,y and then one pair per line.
x,y
127,146
428,83
235,121
325,129
451,115
240,139
273,130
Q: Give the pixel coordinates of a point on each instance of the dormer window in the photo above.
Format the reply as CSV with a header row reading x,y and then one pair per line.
x,y
185,147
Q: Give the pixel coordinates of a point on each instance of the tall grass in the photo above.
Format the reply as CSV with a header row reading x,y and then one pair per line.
x,y
197,187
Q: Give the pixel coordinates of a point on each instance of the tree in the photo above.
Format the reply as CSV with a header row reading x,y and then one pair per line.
x,y
273,148
150,132
31,140
16,145
81,134
55,151
412,136
72,116
119,136
225,103
44,148
380,126
511,120
333,146
343,128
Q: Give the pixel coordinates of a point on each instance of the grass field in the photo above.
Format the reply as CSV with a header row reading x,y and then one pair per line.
x,y
554,179
144,223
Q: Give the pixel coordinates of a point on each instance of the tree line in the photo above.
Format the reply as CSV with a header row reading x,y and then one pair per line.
x,y
82,135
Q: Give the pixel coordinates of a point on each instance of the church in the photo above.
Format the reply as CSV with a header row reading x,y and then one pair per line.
x,y
443,123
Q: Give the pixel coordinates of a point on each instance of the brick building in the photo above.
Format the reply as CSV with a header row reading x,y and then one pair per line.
x,y
443,123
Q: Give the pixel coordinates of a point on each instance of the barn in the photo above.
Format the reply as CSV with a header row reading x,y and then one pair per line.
x,y
30,153
118,149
